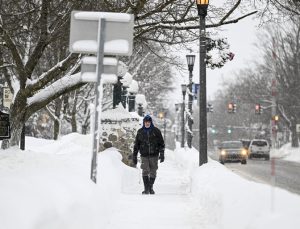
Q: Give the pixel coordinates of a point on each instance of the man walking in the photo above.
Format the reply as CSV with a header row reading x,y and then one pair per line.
x,y
150,143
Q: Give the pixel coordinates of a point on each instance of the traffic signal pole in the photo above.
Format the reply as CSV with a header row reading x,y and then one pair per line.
x,y
273,109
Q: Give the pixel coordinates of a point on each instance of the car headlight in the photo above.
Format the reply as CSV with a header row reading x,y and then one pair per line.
x,y
223,152
244,152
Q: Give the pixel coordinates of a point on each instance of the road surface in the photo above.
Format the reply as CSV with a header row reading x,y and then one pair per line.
x,y
287,173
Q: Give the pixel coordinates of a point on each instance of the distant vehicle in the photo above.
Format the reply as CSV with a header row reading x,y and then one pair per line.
x,y
259,148
232,151
246,143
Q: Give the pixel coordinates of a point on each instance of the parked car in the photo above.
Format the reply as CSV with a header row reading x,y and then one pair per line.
x,y
232,151
259,148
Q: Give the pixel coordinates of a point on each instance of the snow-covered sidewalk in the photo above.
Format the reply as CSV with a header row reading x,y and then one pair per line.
x,y
47,186
169,208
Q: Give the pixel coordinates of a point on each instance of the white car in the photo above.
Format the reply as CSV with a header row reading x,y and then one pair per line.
x,y
259,148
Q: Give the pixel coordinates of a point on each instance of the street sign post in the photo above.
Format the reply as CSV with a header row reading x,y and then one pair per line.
x,y
7,97
100,33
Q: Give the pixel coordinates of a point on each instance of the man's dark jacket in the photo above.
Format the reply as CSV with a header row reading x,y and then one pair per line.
x,y
149,143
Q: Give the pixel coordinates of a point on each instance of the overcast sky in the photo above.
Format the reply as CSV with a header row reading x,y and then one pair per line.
x,y
241,38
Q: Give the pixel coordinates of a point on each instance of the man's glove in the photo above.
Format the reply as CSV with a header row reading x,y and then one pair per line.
x,y
162,157
134,159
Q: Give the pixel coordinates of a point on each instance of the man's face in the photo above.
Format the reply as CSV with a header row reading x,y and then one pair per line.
x,y
147,124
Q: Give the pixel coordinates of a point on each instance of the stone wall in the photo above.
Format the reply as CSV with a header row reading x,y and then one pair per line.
x,y
119,131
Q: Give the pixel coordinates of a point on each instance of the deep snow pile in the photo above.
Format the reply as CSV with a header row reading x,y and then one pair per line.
x,y
48,185
287,152
225,200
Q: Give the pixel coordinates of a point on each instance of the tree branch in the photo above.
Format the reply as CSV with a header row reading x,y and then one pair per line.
x,y
43,40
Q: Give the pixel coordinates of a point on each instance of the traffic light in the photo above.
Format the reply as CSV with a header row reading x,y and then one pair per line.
x,y
209,108
275,120
258,109
231,107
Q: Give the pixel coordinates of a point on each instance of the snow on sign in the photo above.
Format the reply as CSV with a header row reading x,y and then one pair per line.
x,y
7,97
89,65
84,33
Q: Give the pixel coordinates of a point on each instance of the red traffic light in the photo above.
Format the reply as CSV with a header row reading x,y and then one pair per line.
x,y
231,107
258,109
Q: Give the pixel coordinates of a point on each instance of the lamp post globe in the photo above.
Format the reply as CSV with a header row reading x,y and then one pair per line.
x,y
202,6
190,58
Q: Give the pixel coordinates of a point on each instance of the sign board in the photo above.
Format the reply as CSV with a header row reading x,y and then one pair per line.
x,y
89,64
298,128
88,70
7,97
84,33
4,126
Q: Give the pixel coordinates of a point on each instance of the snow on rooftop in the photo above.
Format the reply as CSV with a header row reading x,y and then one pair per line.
x,y
116,17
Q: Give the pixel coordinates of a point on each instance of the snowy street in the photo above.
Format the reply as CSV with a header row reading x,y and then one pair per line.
x,y
287,173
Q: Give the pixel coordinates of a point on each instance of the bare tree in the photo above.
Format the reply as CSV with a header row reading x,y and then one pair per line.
x,y
280,46
31,31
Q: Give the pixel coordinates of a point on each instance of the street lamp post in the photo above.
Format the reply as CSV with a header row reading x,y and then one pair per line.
x,y
183,88
177,121
202,6
190,61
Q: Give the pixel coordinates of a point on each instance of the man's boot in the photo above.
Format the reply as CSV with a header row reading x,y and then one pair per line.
x,y
152,179
146,185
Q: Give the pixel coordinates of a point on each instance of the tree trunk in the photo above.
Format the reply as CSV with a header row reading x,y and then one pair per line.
x,y
56,129
57,123
73,114
83,129
74,123
17,118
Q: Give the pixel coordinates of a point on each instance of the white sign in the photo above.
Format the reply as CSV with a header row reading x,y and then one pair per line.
x,y
84,33
298,128
88,70
7,97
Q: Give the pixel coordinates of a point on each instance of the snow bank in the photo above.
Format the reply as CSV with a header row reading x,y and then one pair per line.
x,y
287,152
225,200
48,185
